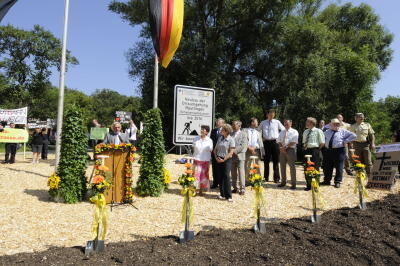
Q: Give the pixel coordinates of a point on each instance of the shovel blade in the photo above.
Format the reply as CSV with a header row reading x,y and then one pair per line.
x,y
363,205
316,219
185,236
89,249
99,246
260,228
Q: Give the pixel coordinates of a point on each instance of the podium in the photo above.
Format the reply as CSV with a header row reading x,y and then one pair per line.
x,y
119,161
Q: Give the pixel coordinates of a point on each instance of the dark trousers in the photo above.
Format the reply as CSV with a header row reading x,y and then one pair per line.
x,y
224,173
45,150
271,151
11,150
334,158
214,166
315,153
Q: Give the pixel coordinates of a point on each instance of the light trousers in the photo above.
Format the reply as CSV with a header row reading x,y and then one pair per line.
x,y
288,158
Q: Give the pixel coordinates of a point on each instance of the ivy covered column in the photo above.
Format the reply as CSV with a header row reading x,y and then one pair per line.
x,y
151,179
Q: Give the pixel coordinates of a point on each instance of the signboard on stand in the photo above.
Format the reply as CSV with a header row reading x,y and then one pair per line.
x,y
385,167
193,107
16,116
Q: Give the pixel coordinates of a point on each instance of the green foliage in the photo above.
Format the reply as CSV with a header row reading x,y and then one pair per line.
x,y
73,157
151,179
313,62
26,58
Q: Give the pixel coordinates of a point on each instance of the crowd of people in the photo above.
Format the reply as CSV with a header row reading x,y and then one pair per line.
x,y
229,149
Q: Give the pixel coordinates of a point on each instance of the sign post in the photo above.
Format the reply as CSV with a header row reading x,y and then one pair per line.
x,y
193,107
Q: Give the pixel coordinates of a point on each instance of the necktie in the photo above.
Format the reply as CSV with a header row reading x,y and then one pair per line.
x,y
331,140
285,141
308,138
130,132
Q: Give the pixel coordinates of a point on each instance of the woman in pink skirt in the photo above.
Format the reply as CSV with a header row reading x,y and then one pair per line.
x,y
202,148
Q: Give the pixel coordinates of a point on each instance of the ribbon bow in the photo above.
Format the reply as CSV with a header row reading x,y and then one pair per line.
x,y
100,216
359,183
317,192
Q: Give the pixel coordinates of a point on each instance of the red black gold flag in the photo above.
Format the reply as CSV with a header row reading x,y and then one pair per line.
x,y
166,22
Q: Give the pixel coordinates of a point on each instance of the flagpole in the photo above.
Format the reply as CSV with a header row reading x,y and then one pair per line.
x,y
155,91
62,82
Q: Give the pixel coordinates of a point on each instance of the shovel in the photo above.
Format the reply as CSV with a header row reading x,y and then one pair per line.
x,y
362,204
259,227
315,218
186,235
94,246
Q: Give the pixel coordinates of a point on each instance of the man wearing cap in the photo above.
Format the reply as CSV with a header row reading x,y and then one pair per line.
x,y
365,141
313,141
336,139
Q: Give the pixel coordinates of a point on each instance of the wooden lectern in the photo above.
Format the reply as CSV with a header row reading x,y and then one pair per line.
x,y
119,162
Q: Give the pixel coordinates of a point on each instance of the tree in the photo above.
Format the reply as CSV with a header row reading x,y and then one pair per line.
x,y
311,62
73,157
151,179
26,58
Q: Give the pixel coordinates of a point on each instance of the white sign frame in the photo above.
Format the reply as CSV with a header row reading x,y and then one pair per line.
x,y
187,139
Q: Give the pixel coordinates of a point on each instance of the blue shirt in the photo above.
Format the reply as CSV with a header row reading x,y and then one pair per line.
x,y
341,137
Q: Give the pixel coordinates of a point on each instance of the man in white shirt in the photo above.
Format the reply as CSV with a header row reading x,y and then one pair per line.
x,y
347,164
131,132
287,140
270,132
255,144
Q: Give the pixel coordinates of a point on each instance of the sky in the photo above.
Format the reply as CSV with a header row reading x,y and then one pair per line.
x,y
99,39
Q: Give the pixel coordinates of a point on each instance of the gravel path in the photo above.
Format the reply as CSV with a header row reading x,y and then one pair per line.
x,y
29,222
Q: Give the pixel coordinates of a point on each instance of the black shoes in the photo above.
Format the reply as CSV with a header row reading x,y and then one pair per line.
x,y
281,185
349,172
325,183
235,191
307,189
337,185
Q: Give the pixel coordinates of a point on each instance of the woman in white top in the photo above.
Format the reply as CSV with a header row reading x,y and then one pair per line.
x,y
202,148
131,132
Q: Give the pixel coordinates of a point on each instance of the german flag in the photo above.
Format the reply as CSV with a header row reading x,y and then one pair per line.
x,y
166,23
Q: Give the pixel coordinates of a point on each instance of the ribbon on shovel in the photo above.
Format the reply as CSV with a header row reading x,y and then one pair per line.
x,y
187,207
100,216
359,183
318,194
258,199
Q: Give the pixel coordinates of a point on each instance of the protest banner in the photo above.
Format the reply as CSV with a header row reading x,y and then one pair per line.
x,y
123,117
193,107
16,116
14,135
98,133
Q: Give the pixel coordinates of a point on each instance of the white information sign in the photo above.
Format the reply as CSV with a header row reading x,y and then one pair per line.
x,y
193,107
16,116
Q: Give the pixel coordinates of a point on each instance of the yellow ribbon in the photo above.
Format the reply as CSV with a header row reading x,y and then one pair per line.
x,y
258,199
359,182
316,193
187,207
100,216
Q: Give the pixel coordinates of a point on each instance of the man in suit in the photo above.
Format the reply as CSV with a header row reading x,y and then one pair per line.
x,y
116,136
215,134
255,145
239,158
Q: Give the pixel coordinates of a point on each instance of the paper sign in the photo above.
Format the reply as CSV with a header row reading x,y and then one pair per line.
x,y
14,135
98,133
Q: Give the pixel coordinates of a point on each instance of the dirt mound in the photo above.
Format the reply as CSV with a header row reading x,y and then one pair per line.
x,y
344,237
